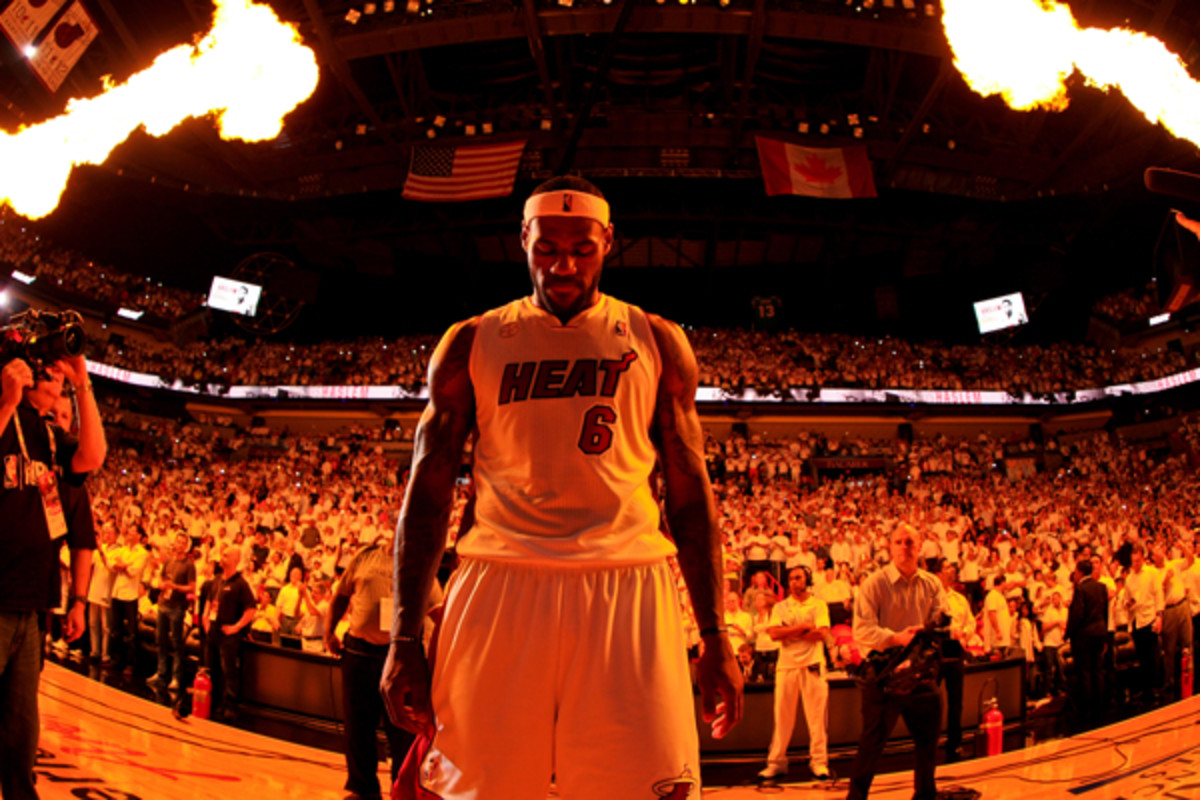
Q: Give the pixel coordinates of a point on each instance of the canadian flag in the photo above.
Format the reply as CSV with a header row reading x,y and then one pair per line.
x,y
838,172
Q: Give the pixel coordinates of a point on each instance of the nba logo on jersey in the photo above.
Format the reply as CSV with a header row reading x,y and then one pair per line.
x,y
509,330
621,329
567,200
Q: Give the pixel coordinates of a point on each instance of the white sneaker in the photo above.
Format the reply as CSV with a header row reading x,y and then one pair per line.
x,y
822,773
772,771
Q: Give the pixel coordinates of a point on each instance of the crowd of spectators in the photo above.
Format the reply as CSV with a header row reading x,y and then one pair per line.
x,y
287,501
22,249
731,359
737,359
1129,305
1012,542
235,362
1015,537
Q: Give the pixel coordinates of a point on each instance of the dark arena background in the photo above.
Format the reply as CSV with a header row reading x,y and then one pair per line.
x,y
845,383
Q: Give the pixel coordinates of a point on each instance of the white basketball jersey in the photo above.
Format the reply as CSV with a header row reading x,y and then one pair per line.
x,y
564,457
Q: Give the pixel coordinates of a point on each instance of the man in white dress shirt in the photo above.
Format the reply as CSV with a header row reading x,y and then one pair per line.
x,y
800,623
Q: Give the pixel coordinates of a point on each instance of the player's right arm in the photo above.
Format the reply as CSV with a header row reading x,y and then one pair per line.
x,y
438,443
692,520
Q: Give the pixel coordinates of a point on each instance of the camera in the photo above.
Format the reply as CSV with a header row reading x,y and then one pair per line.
x,y
42,337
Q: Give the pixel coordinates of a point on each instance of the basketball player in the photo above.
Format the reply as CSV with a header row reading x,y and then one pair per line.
x,y
562,650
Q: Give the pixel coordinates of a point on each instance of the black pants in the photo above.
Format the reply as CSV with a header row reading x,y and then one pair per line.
x,y
1052,670
123,634
953,670
223,657
1087,680
363,710
922,712
1146,642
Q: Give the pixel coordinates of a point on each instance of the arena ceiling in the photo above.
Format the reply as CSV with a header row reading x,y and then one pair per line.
x,y
657,102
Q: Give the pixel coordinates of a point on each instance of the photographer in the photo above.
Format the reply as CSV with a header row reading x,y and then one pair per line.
x,y
894,604
42,505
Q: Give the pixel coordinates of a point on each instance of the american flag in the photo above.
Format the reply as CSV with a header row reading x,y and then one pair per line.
x,y
440,174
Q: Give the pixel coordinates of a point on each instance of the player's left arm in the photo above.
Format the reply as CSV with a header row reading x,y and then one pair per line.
x,y
692,519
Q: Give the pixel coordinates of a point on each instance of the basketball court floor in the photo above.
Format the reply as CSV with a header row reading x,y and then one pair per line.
x,y
99,743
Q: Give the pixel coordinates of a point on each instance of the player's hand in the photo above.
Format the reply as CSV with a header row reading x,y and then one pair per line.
x,y
1157,627
405,687
333,644
14,379
719,675
76,624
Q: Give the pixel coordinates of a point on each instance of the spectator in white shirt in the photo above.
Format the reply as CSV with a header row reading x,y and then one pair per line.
x,y
288,601
997,621
738,621
100,596
1143,588
127,563
1054,625
1176,623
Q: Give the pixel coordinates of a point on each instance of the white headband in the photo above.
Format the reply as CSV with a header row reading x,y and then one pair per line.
x,y
567,204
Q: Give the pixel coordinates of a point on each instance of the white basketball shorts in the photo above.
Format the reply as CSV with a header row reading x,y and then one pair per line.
x,y
576,675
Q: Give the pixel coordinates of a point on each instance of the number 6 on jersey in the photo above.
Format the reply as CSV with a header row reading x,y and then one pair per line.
x,y
596,435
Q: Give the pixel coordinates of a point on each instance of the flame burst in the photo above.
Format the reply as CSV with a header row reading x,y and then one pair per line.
x,y
1024,50
248,72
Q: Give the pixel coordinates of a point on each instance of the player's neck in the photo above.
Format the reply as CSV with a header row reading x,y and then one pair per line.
x,y
565,315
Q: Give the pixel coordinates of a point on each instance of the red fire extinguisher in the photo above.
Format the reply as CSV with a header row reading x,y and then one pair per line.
x,y
993,728
1185,677
202,695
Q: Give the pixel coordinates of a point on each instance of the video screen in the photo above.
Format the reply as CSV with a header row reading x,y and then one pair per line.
x,y
227,294
998,313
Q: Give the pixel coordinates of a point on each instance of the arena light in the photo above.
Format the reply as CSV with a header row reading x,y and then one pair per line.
x,y
1053,47
23,277
247,73
3,298
1159,319
129,313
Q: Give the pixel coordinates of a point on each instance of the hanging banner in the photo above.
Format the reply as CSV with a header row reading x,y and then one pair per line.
x,y
23,20
63,46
